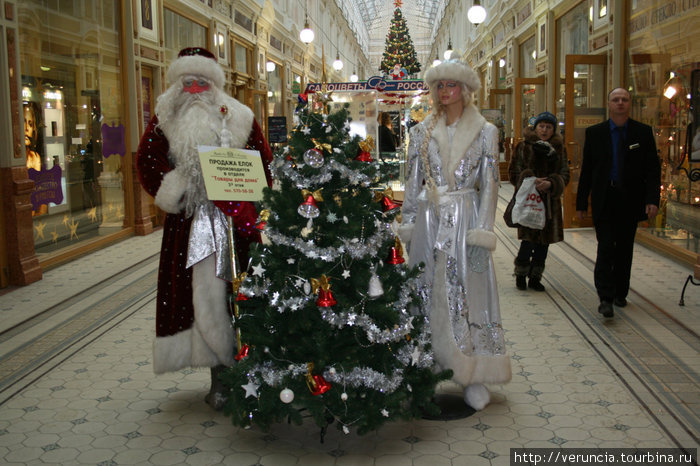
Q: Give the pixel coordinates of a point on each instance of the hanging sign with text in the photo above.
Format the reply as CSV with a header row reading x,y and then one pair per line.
x,y
232,174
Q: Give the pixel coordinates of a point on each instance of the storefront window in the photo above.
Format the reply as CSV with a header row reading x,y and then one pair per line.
x,y
242,59
181,32
74,122
664,79
500,72
274,91
572,39
528,55
296,83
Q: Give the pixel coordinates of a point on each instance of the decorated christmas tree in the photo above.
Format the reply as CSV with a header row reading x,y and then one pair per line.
x,y
323,313
399,47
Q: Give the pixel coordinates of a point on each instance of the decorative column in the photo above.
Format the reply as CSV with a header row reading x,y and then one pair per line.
x,y
15,186
23,264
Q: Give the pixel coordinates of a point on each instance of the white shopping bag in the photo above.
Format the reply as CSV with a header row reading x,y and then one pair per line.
x,y
528,210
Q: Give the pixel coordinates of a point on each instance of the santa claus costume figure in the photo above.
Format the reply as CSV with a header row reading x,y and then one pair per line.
x,y
399,73
193,321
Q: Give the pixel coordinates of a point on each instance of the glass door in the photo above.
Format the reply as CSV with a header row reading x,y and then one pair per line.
x,y
259,106
502,101
529,102
584,96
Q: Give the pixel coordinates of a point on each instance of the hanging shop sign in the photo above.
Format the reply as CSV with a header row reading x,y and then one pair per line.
x,y
376,83
47,187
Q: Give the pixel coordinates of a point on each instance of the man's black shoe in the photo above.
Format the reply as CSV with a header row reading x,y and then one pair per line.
x,y
620,302
520,282
606,308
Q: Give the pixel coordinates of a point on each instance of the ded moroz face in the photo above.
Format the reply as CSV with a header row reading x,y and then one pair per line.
x,y
194,84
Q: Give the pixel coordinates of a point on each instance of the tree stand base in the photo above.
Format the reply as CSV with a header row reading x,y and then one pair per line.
x,y
452,407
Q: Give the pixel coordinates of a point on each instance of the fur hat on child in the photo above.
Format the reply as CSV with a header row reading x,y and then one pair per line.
x,y
453,70
547,118
197,61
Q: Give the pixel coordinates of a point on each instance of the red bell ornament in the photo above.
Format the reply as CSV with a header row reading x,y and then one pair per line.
x,y
316,383
386,197
396,254
308,208
325,298
241,297
364,157
242,353
366,148
262,217
389,204
322,286
322,386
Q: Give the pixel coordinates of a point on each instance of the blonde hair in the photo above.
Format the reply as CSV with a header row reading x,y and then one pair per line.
x,y
437,113
429,180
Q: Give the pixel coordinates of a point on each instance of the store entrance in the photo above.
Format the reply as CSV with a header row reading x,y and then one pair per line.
x,y
585,104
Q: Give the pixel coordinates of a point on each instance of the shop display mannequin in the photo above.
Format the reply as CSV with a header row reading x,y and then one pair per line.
x,y
193,323
448,226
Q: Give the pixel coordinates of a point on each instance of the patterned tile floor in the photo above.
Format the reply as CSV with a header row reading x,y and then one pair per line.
x,y
77,387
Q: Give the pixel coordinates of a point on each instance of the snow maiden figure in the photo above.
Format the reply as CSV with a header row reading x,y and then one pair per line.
x,y
448,217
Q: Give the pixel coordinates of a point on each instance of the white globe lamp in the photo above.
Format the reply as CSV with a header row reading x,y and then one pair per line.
x,y
477,13
306,35
338,63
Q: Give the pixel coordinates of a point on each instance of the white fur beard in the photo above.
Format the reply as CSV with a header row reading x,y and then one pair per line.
x,y
197,122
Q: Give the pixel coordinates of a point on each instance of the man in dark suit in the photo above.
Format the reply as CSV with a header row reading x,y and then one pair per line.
x,y
622,174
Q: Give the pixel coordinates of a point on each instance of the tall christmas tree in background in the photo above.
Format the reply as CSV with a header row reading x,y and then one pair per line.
x,y
399,45
323,312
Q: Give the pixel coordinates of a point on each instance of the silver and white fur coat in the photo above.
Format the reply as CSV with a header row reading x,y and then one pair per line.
x,y
454,242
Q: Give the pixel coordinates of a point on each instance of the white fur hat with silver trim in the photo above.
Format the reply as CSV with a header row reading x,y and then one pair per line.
x,y
453,70
197,61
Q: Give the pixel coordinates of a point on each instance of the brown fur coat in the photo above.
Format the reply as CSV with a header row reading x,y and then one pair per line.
x,y
553,166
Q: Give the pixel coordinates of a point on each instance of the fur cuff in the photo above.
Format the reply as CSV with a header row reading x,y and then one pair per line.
x,y
477,396
169,195
482,238
405,231
173,352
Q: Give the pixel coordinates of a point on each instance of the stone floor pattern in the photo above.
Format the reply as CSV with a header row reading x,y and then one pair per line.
x,y
77,386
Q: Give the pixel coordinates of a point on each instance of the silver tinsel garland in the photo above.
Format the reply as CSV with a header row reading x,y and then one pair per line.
x,y
252,287
367,377
356,249
358,377
374,333
283,168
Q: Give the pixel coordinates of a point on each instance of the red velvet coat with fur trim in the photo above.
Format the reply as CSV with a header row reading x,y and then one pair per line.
x,y
174,310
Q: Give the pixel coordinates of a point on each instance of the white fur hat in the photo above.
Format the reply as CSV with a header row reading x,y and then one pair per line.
x,y
197,61
453,70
